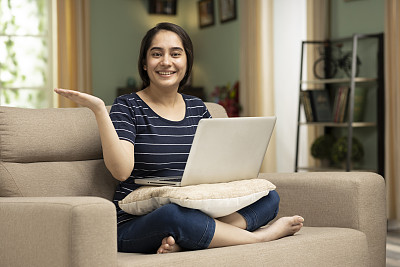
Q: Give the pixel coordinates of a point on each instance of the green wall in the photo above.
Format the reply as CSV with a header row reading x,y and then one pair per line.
x,y
217,51
356,16
118,26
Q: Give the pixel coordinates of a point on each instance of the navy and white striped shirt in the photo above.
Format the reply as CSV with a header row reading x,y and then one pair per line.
x,y
161,146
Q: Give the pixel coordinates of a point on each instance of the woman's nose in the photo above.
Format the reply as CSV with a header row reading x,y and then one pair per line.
x,y
165,60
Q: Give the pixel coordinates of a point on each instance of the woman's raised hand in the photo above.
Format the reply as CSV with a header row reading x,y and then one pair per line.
x,y
92,102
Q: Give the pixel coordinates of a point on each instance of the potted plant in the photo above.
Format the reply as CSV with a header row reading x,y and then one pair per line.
x,y
322,148
339,150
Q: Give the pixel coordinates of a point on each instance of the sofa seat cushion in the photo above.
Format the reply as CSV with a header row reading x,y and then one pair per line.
x,y
311,246
216,200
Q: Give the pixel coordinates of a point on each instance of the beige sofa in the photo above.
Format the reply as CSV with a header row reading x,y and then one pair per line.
x,y
55,207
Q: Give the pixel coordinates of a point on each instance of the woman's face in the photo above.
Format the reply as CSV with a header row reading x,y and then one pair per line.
x,y
166,60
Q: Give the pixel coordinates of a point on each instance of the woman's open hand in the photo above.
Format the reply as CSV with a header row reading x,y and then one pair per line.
x,y
92,102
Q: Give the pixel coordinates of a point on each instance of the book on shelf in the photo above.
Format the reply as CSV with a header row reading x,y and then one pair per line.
x,y
320,105
359,104
316,105
340,104
305,100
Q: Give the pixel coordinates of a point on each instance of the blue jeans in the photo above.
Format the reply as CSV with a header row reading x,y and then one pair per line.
x,y
191,229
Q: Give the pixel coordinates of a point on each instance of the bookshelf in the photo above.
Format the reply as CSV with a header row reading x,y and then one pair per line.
x,y
341,92
341,80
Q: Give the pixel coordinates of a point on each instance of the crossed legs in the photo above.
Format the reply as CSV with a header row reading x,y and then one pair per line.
x,y
234,229
232,233
229,235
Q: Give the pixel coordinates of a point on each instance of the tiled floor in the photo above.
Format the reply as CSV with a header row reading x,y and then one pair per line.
x,y
393,249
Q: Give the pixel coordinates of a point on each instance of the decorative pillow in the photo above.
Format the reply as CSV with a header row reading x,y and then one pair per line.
x,y
216,200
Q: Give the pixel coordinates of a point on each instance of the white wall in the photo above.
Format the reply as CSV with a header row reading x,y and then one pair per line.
x,y
289,31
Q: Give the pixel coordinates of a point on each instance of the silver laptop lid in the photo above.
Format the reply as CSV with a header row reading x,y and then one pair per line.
x,y
228,149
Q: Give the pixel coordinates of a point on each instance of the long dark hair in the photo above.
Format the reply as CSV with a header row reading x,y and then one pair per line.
x,y
145,45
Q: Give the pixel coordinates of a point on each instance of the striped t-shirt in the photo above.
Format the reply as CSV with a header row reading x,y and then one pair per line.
x,y
161,146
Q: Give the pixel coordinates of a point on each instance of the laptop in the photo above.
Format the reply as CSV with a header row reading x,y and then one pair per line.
x,y
223,150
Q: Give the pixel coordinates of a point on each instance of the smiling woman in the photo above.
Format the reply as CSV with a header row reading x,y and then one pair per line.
x,y
166,61
149,134
180,47
165,69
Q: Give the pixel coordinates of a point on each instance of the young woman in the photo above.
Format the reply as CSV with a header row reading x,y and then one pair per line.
x,y
149,133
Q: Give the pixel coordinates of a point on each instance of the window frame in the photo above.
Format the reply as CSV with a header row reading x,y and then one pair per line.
x,y
51,69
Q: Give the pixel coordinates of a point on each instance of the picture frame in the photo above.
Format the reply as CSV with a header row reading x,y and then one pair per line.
x,y
206,13
163,7
227,10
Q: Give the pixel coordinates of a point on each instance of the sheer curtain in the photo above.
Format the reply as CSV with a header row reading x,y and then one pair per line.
x,y
392,107
256,70
73,44
317,30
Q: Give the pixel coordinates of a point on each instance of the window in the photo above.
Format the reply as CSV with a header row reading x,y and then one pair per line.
x,y
25,53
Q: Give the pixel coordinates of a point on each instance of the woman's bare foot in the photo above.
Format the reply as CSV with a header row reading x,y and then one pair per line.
x,y
284,226
168,245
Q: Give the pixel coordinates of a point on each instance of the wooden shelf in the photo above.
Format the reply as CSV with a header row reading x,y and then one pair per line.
x,y
342,124
341,80
332,169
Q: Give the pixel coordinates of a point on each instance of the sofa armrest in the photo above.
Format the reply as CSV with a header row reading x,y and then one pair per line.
x,y
354,200
57,231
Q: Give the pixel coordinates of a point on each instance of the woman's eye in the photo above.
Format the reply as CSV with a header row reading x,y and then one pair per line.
x,y
176,54
156,54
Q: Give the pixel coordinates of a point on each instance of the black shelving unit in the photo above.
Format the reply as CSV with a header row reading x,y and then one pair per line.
x,y
360,72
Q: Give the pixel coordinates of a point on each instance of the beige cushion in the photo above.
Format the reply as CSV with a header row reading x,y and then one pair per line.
x,y
216,200
33,135
39,179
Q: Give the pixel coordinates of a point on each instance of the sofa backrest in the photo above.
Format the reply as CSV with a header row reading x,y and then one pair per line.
x,y
55,152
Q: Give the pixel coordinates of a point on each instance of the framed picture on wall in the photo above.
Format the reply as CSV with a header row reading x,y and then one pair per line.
x,y
162,7
206,13
227,10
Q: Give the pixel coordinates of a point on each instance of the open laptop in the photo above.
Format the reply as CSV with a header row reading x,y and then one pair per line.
x,y
223,150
